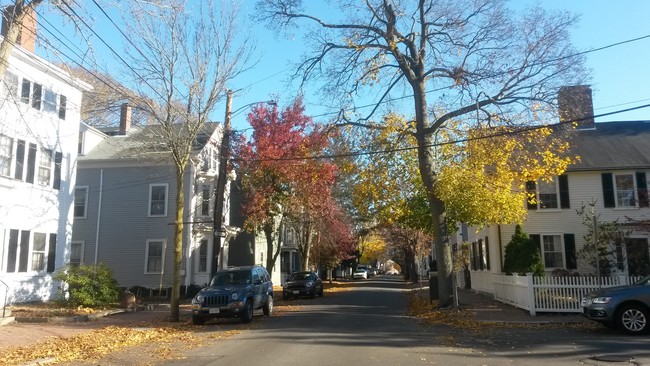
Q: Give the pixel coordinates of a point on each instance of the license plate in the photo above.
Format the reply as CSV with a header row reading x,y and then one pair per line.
x,y
296,292
214,311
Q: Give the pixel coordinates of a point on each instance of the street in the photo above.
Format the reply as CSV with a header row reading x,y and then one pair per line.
x,y
368,325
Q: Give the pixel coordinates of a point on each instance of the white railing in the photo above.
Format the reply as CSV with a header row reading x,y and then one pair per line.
x,y
550,294
4,291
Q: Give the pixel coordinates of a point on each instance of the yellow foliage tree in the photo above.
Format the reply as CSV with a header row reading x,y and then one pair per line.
x,y
483,180
374,249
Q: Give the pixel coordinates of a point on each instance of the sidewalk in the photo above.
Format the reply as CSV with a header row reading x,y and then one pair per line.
x,y
490,310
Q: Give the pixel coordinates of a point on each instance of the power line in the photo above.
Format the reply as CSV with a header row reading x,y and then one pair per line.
x,y
506,133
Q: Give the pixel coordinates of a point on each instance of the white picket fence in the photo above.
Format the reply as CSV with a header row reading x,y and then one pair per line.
x,y
546,294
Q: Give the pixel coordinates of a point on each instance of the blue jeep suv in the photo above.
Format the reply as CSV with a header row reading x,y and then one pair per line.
x,y
234,292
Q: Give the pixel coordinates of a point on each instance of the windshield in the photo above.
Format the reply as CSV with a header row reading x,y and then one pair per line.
x,y
231,277
300,277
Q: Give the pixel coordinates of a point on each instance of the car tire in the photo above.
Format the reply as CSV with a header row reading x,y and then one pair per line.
x,y
198,320
285,297
247,315
633,319
268,307
312,294
320,293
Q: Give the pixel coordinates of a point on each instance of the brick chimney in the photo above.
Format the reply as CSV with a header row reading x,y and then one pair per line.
x,y
125,118
27,33
575,103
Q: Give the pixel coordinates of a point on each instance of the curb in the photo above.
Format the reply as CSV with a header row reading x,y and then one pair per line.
x,y
79,318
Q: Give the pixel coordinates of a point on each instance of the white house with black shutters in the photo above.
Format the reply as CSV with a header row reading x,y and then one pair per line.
x,y
613,172
39,128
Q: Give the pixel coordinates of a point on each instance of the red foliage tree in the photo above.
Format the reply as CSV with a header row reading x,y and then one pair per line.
x,y
283,180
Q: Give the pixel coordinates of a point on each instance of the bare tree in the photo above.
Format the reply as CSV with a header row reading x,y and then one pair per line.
x,y
481,62
185,54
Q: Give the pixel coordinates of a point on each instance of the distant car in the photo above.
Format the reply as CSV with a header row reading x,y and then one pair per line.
x,y
302,284
235,292
625,307
372,272
360,274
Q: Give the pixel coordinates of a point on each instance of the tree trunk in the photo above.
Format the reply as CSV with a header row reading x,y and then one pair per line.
x,y
306,248
178,244
268,234
426,162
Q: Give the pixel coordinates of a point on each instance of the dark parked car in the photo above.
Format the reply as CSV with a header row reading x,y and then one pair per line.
x,y
234,292
302,284
625,307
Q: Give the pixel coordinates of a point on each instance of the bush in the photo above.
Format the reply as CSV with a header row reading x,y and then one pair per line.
x,y
88,285
522,255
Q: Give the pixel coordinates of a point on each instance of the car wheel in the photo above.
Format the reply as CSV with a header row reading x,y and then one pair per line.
x,y
633,319
312,294
197,320
285,297
247,316
268,307
320,293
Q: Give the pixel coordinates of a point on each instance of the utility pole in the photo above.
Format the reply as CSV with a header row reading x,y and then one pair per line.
x,y
220,195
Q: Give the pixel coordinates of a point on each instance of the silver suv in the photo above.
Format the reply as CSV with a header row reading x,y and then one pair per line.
x,y
235,292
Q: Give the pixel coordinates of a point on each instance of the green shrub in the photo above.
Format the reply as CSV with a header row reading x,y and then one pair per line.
x,y
522,255
88,285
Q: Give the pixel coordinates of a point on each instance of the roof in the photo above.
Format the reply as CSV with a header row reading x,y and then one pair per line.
x,y
612,146
143,142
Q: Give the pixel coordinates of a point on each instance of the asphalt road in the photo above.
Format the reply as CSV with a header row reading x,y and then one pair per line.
x,y
368,326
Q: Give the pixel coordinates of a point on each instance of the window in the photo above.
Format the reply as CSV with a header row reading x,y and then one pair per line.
x,y
45,167
552,252
38,252
6,151
624,187
203,256
76,252
80,202
205,200
25,91
49,101
547,195
80,146
158,199
154,256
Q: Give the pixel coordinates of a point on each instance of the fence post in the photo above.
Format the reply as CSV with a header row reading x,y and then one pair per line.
x,y
622,279
531,293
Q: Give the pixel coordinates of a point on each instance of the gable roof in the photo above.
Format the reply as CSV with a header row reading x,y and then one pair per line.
x,y
612,146
145,142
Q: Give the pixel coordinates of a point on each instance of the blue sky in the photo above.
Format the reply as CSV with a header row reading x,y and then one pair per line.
x,y
620,76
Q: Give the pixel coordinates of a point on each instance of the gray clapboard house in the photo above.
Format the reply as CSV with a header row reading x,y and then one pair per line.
x,y
124,206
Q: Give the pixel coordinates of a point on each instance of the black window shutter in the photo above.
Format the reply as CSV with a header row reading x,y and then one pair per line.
x,y
12,250
480,255
51,254
608,190
642,189
36,96
62,106
473,256
570,251
24,251
58,158
537,239
24,92
563,181
31,163
487,252
20,159
530,189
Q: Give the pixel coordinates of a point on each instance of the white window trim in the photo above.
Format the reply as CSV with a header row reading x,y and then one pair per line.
x,y
83,248
85,202
201,199
634,190
37,178
166,185
31,251
146,255
562,251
